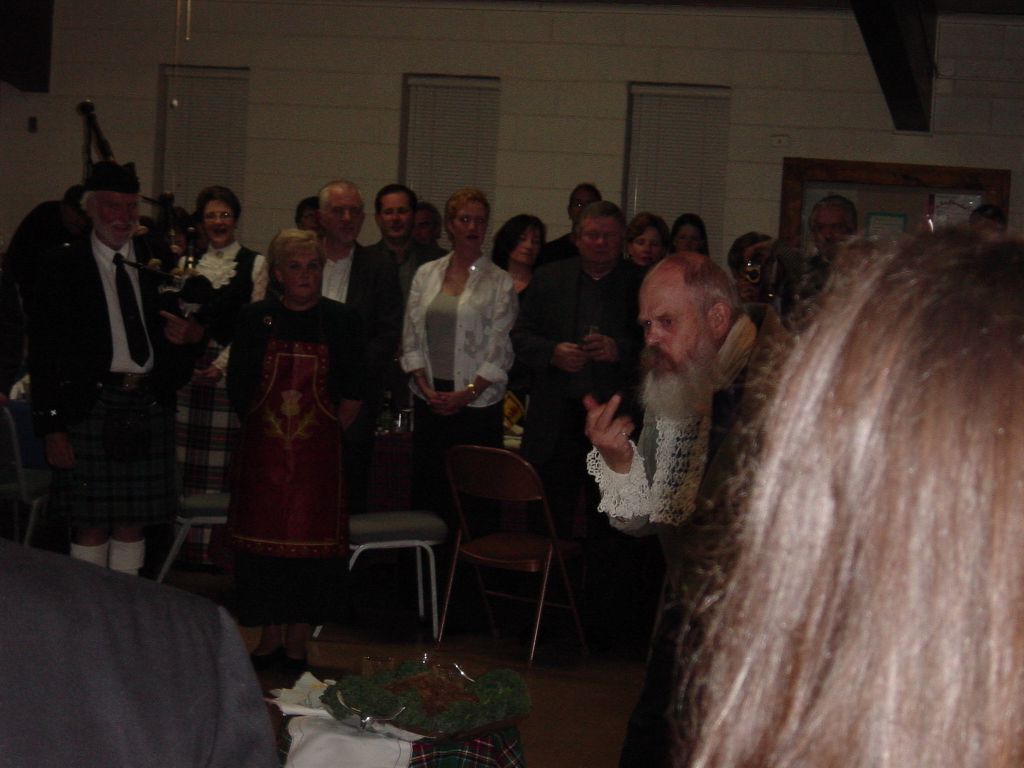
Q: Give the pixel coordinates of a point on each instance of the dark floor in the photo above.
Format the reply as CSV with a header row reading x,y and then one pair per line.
x,y
580,705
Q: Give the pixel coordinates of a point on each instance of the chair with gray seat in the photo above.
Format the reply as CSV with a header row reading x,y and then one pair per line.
x,y
407,529
197,509
22,486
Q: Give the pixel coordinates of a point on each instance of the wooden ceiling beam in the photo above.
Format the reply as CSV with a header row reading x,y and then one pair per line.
x,y
900,38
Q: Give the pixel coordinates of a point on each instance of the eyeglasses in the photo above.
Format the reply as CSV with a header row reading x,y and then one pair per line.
x,y
215,215
596,237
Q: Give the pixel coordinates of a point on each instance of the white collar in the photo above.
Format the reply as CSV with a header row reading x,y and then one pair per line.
x,y
219,265
229,252
105,253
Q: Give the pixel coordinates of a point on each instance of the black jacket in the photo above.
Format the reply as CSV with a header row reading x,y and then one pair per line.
x,y
548,317
70,347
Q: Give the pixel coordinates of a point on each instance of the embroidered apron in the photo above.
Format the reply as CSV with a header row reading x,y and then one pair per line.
x,y
289,494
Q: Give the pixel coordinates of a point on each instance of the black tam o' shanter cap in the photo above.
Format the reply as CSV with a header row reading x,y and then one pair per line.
x,y
108,176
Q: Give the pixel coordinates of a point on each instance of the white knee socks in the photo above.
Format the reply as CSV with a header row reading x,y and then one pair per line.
x,y
127,556
97,555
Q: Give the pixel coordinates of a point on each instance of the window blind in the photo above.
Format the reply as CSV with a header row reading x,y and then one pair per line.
x,y
677,147
450,135
203,130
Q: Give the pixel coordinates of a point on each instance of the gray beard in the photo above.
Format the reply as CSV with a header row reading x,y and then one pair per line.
x,y
683,393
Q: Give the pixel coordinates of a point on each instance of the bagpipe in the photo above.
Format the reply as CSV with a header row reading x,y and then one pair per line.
x,y
169,240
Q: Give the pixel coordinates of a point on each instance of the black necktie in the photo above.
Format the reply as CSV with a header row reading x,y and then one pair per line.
x,y
138,346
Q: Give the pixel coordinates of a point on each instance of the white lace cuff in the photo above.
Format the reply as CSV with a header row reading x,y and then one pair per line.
x,y
624,496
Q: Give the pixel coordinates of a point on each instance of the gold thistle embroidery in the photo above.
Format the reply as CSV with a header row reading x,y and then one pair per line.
x,y
290,402
281,428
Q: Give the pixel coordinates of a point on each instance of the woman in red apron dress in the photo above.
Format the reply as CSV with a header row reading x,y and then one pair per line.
x,y
295,379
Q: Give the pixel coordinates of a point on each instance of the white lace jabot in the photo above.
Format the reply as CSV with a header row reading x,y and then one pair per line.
x,y
219,266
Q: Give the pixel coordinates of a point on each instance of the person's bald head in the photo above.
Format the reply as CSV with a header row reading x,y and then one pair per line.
x,y
687,308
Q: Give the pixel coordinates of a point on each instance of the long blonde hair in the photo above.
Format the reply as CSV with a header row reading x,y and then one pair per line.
x,y
875,612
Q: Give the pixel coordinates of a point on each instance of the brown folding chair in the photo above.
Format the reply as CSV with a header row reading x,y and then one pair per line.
x,y
498,475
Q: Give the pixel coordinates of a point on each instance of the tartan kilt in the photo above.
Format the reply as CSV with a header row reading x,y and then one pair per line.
x,y
99,491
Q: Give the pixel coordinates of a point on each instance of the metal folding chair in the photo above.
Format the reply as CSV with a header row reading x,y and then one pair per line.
x,y
197,509
497,475
19,485
408,529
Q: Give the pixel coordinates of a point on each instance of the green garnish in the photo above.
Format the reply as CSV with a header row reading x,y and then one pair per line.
x,y
500,695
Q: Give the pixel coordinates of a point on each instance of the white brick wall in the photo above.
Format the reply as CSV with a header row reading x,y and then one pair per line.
x,y
325,91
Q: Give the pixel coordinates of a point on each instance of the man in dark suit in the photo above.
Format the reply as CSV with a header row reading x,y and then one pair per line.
x,y
369,283
116,672
105,363
577,334
394,208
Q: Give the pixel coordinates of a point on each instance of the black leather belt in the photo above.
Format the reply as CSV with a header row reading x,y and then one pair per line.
x,y
126,382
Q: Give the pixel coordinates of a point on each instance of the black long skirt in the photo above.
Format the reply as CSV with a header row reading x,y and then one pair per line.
x,y
290,590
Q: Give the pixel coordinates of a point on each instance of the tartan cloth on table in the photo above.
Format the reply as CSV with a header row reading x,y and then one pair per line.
x,y
206,434
100,491
501,749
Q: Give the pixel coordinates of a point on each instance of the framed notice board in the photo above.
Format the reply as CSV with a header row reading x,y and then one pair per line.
x,y
887,195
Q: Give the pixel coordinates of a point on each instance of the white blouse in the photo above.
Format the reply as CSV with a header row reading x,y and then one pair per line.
x,y
487,310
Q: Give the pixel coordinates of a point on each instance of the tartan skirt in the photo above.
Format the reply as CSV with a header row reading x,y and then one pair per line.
x,y
100,491
207,431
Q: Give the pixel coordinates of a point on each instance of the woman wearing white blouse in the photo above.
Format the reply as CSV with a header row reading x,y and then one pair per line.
x,y
456,348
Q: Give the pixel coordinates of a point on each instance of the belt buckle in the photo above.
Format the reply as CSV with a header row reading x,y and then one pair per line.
x,y
130,382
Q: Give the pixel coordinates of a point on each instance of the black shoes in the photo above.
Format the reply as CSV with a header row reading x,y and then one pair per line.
x,y
262,661
279,660
292,666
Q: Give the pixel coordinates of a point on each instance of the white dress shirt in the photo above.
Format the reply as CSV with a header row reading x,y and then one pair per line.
x,y
336,275
104,255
